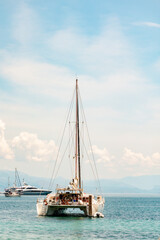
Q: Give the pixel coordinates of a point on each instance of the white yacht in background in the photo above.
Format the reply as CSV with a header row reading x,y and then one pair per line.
x,y
18,189
31,190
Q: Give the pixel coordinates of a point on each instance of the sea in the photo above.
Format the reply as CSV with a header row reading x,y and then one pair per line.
x,y
129,217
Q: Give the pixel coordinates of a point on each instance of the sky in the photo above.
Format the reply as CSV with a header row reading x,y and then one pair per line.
x,y
113,48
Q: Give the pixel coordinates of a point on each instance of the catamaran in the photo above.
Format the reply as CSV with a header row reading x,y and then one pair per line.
x,y
73,196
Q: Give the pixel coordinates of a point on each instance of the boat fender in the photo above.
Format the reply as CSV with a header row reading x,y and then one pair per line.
x,y
45,201
98,215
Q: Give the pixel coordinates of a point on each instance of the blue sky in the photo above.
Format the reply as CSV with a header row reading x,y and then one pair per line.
x,y
113,47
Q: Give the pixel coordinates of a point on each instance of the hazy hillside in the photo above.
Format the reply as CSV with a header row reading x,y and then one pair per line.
x,y
31,180
141,184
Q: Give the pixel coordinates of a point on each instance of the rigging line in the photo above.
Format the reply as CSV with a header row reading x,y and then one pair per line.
x,y
49,165
89,159
82,154
70,145
81,130
51,160
74,154
69,148
94,160
19,181
62,138
62,159
90,145
91,165
82,149
71,142
82,137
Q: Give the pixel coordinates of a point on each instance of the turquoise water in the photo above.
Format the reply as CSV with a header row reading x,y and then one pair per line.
x,y
130,218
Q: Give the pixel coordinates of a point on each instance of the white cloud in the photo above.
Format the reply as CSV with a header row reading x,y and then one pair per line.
x,y
157,65
99,54
29,147
129,164
107,61
108,68
43,78
5,150
26,72
102,155
139,160
24,24
132,158
2,126
68,41
58,82
148,24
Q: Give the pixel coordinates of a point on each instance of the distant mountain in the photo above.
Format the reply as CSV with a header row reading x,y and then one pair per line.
x,y
155,189
113,186
146,182
140,184
31,180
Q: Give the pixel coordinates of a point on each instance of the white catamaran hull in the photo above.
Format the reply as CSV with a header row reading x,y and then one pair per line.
x,y
44,209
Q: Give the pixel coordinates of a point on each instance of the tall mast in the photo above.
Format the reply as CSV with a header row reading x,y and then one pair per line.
x,y
77,154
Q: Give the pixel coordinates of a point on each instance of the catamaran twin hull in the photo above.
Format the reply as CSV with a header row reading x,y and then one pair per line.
x,y
55,205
